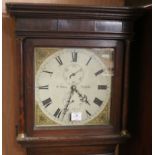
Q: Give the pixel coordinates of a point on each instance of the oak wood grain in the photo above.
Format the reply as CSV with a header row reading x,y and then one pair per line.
x,y
10,90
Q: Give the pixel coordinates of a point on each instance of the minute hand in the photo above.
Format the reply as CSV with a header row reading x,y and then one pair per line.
x,y
68,102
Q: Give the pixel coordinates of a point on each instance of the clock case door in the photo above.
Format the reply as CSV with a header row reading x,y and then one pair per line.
x,y
74,134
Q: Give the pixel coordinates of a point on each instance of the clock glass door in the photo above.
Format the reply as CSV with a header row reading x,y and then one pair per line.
x,y
73,86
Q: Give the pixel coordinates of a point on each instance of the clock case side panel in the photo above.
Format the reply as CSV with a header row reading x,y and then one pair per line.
x,y
113,128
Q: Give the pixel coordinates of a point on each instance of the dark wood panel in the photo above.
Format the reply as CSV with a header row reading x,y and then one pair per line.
x,y
4,83
108,26
76,25
87,150
137,2
72,25
140,107
10,90
32,24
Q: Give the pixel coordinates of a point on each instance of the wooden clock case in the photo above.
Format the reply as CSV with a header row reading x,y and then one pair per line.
x,y
72,26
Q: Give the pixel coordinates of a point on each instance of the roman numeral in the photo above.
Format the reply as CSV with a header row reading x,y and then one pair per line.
x,y
99,72
43,87
48,72
102,86
59,60
74,56
88,113
88,61
47,102
57,113
98,101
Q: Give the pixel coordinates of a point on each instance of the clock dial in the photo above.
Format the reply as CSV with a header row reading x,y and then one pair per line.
x,y
73,86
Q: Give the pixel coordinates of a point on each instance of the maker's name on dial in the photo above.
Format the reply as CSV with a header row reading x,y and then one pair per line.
x,y
85,86
61,86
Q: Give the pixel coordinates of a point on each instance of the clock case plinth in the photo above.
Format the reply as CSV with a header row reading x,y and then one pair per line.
x,y
72,26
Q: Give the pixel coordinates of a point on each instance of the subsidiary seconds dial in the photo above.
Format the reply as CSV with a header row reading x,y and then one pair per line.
x,y
72,86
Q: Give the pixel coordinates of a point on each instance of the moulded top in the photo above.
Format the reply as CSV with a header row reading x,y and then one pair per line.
x,y
72,11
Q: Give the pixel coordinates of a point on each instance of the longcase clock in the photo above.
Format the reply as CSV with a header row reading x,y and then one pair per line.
x,y
73,77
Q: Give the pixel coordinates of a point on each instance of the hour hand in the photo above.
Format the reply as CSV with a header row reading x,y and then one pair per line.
x,y
73,74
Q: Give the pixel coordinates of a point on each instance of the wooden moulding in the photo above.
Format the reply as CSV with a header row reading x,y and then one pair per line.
x,y
72,140
71,12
